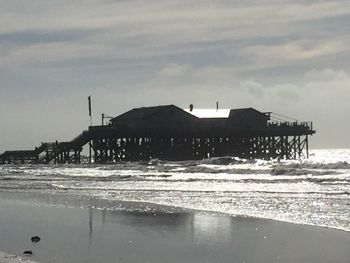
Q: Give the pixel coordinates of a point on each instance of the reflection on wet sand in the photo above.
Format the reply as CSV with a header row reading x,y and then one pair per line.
x,y
208,228
201,227
154,235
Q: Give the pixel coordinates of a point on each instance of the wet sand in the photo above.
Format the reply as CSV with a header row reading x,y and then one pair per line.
x,y
7,258
75,231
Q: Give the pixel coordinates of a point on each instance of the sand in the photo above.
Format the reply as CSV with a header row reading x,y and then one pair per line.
x,y
7,258
144,233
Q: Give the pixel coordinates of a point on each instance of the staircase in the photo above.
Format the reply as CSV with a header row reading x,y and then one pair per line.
x,y
66,152
59,152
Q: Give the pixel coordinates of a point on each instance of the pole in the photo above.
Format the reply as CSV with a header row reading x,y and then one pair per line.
x,y
90,115
103,118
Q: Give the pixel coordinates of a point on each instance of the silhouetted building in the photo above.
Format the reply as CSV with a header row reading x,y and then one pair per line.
x,y
171,133
160,117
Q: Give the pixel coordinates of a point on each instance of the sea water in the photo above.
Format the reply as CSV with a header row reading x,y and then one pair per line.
x,y
314,191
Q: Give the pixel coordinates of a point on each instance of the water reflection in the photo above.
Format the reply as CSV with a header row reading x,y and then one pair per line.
x,y
90,235
201,228
140,220
208,228
90,225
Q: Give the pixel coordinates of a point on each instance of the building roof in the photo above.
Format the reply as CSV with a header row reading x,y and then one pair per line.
x,y
139,113
144,112
209,113
220,113
236,112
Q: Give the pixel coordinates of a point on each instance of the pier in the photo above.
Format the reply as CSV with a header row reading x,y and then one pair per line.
x,y
171,133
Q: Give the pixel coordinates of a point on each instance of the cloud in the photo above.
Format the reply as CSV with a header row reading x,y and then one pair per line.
x,y
326,76
161,13
287,56
131,29
318,95
295,51
173,70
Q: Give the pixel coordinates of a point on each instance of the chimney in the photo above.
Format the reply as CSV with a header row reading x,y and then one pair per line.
x,y
191,107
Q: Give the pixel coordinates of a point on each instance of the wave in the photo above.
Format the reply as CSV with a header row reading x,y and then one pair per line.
x,y
282,170
100,191
227,160
323,166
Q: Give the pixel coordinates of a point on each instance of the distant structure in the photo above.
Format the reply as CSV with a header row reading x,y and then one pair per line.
x,y
171,133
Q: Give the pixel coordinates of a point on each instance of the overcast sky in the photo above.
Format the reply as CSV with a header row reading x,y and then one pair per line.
x,y
285,56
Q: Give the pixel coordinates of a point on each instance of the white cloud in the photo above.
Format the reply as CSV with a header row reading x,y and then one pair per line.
x,y
320,95
133,29
327,75
173,70
39,14
295,51
181,52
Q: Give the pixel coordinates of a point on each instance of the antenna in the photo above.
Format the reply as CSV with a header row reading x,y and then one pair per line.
x,y
89,100
90,146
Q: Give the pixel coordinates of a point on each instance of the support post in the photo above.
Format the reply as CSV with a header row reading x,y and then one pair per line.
x,y
90,151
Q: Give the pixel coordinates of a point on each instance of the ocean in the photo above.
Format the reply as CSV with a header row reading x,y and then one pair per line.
x,y
314,191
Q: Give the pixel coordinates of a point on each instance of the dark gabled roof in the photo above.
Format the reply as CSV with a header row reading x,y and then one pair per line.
x,y
236,112
145,112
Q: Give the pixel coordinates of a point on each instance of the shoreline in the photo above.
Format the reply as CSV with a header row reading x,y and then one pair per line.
x,y
87,202
9,258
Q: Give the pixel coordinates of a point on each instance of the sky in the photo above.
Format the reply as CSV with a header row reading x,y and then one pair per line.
x,y
287,56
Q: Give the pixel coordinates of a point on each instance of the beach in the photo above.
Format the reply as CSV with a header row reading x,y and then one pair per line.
x,y
7,258
179,131
214,210
74,229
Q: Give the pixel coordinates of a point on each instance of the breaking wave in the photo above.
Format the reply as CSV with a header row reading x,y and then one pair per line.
x,y
281,170
314,191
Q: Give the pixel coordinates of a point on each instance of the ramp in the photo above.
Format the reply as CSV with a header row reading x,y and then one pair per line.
x,y
58,152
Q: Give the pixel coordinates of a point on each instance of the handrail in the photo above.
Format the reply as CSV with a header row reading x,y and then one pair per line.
x,y
306,124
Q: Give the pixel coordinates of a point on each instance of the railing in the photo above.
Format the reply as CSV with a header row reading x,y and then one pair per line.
x,y
290,124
